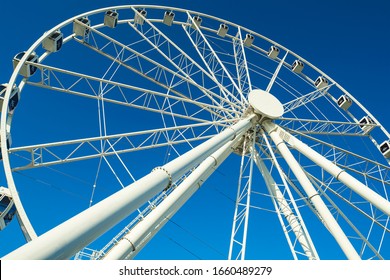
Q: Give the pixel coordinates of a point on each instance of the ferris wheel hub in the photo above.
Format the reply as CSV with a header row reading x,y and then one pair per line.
x,y
265,104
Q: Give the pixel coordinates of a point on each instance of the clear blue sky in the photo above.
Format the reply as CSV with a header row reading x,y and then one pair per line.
x,y
348,40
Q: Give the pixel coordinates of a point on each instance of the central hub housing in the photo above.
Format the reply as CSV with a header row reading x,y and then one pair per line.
x,y
266,107
265,104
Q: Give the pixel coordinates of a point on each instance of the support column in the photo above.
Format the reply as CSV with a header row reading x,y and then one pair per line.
x,y
146,229
330,222
293,220
340,174
237,248
63,241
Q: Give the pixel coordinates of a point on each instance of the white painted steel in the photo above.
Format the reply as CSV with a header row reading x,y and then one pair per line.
x,y
275,75
296,225
47,83
252,141
129,246
216,57
226,93
237,248
183,54
235,106
340,174
243,76
328,219
65,240
37,151
265,104
182,75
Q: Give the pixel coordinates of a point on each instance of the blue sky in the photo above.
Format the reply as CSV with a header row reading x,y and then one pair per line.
x,y
348,40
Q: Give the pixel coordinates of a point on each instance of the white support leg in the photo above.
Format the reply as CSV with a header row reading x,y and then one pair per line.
x,y
340,174
65,240
130,245
293,220
238,238
330,222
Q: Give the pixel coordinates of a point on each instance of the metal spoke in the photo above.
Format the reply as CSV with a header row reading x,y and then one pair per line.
x,y
118,93
148,68
89,148
212,60
275,75
305,99
325,127
243,76
178,58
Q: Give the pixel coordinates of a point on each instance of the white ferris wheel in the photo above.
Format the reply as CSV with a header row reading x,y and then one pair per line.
x,y
113,119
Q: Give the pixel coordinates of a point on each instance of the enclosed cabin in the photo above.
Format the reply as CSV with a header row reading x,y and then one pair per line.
x,y
7,207
140,16
366,124
223,30
111,19
9,143
197,21
344,102
297,66
26,70
321,82
385,148
273,52
53,42
249,38
81,27
13,100
168,18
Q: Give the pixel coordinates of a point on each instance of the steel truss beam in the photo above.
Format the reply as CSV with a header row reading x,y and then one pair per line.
x,y
238,239
119,93
146,67
211,60
326,127
47,154
243,76
305,99
178,58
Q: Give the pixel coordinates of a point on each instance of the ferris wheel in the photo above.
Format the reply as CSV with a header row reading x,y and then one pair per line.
x,y
115,118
